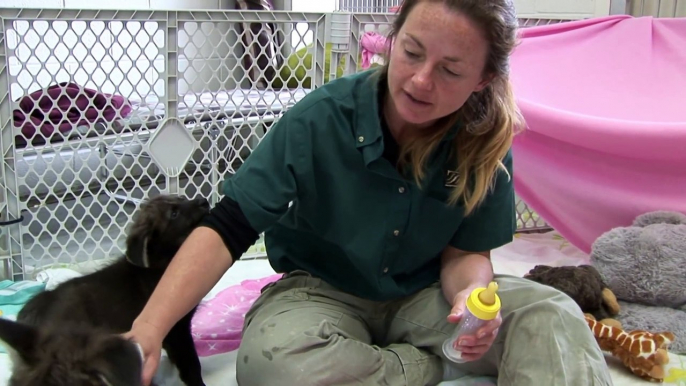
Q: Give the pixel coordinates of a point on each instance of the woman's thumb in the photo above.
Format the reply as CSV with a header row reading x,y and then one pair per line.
x,y
458,308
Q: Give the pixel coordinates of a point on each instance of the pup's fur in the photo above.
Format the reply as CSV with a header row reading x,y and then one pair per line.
x,y
71,335
76,355
582,283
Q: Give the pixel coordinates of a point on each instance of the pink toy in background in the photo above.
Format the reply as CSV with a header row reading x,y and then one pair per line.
x,y
372,44
218,322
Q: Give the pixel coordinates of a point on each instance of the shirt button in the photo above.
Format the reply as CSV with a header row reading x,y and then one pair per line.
x,y
385,270
396,232
401,189
360,139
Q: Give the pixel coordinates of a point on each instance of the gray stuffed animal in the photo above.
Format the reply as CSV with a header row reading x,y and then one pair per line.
x,y
645,267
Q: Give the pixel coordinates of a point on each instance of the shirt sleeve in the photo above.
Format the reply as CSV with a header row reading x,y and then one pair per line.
x,y
265,184
227,219
494,222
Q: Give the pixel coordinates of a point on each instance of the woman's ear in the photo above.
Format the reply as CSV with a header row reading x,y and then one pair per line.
x,y
137,245
120,362
137,251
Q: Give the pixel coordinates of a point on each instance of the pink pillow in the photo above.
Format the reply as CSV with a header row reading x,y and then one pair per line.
x,y
218,322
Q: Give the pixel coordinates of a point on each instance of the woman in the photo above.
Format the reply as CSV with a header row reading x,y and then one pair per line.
x,y
382,195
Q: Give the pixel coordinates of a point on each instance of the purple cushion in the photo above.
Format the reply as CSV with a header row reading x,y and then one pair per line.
x,y
52,108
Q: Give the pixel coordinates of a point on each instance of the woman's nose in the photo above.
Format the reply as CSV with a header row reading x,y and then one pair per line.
x,y
422,79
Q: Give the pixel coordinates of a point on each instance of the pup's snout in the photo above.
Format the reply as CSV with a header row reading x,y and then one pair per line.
x,y
202,202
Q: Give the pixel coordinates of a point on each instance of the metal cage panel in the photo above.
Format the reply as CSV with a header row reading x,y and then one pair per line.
x,y
202,94
656,8
367,6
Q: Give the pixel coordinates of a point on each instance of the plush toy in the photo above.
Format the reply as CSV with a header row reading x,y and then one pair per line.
x,y
644,266
642,352
584,285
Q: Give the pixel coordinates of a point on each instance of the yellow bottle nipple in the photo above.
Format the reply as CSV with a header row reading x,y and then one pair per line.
x,y
484,303
487,296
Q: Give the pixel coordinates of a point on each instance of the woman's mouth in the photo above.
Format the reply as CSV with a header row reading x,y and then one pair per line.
x,y
415,100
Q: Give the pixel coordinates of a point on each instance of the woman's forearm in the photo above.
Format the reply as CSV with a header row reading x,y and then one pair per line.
x,y
462,270
196,268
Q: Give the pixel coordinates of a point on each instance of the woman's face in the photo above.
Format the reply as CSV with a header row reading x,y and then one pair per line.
x,y
436,63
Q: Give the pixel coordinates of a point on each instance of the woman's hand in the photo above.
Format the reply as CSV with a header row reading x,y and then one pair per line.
x,y
149,338
474,346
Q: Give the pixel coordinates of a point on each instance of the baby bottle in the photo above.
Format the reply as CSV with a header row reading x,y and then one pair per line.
x,y
482,306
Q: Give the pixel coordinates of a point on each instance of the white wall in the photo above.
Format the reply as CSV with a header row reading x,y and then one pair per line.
x,y
561,9
314,5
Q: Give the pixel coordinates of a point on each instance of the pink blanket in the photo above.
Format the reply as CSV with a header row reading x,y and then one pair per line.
x,y
605,104
217,325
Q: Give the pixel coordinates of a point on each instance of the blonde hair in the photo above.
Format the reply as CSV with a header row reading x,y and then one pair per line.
x,y
489,118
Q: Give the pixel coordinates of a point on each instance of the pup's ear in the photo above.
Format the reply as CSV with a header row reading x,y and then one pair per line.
x,y
121,362
20,339
137,249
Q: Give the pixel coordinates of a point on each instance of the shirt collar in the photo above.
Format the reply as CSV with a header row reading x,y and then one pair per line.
x,y
367,127
368,118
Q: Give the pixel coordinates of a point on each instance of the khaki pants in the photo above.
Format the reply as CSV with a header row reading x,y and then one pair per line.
x,y
302,331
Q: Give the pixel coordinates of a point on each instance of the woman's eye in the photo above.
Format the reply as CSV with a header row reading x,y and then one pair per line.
x,y
451,73
411,54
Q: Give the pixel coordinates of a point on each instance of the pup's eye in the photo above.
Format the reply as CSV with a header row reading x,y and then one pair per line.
x,y
174,213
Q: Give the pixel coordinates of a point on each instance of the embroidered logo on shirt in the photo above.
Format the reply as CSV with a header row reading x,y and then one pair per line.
x,y
451,178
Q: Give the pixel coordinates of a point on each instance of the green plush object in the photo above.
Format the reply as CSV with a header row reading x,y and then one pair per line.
x,y
13,297
294,71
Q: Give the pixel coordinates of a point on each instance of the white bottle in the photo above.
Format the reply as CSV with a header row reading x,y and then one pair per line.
x,y
482,306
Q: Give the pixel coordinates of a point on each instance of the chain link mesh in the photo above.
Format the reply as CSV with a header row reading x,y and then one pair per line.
x,y
102,109
367,6
530,22
110,107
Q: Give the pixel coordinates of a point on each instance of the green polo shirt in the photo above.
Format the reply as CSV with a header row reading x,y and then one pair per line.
x,y
330,204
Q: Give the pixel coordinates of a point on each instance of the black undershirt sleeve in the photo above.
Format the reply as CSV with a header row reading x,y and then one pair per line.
x,y
227,219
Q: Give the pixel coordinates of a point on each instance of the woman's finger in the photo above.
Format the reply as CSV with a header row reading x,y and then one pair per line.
x,y
149,369
471,357
489,329
479,349
488,338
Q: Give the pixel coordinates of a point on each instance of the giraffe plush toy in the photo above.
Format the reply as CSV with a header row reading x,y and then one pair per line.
x,y
643,352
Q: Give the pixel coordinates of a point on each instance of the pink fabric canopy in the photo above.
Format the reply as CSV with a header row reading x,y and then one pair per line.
x,y
605,104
